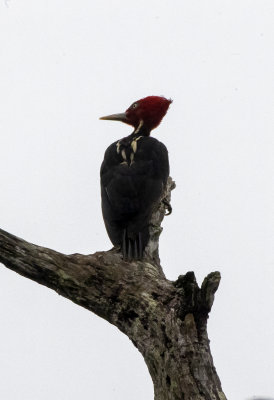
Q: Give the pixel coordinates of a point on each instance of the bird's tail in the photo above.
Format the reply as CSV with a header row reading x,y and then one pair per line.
x,y
133,248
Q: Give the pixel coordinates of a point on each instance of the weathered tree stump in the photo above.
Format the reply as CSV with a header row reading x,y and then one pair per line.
x,y
165,320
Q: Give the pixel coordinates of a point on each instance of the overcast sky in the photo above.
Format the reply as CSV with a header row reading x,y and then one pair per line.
x,y
63,65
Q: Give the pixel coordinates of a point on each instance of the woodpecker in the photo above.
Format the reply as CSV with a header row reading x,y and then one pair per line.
x,y
133,175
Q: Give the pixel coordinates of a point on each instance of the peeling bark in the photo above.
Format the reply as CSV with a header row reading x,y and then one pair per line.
x,y
165,320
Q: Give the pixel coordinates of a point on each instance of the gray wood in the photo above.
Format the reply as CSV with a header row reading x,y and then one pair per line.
x,y
165,320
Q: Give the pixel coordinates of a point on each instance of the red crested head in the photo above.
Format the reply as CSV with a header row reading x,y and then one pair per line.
x,y
147,112
150,110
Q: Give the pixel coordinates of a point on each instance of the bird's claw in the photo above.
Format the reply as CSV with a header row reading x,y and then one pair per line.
x,y
167,206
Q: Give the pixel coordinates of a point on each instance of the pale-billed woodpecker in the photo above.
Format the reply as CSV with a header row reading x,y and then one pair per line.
x,y
134,175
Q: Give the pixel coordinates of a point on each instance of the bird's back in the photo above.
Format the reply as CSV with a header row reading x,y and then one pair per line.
x,y
133,177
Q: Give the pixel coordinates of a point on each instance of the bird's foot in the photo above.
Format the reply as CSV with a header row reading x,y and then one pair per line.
x,y
167,206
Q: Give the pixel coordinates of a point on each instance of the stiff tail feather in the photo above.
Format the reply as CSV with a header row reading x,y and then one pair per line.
x,y
132,249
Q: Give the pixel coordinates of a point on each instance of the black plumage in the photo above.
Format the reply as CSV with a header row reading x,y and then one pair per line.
x,y
130,188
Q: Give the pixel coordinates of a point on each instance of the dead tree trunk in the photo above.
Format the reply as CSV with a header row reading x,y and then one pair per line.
x,y
165,320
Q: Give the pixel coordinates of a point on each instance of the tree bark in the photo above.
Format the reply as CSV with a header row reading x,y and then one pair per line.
x,y
165,320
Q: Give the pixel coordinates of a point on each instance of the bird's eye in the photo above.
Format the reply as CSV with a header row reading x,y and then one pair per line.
x,y
134,105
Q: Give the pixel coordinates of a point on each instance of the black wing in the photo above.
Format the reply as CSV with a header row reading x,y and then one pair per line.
x,y
132,182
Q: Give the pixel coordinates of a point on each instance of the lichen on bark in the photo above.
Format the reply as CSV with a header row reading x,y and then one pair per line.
x,y
165,320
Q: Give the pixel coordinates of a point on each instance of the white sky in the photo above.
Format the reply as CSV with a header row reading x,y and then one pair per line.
x,y
63,65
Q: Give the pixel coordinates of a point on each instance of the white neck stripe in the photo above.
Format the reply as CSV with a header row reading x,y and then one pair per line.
x,y
139,126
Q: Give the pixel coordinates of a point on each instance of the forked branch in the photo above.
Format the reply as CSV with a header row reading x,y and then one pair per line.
x,y
165,320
